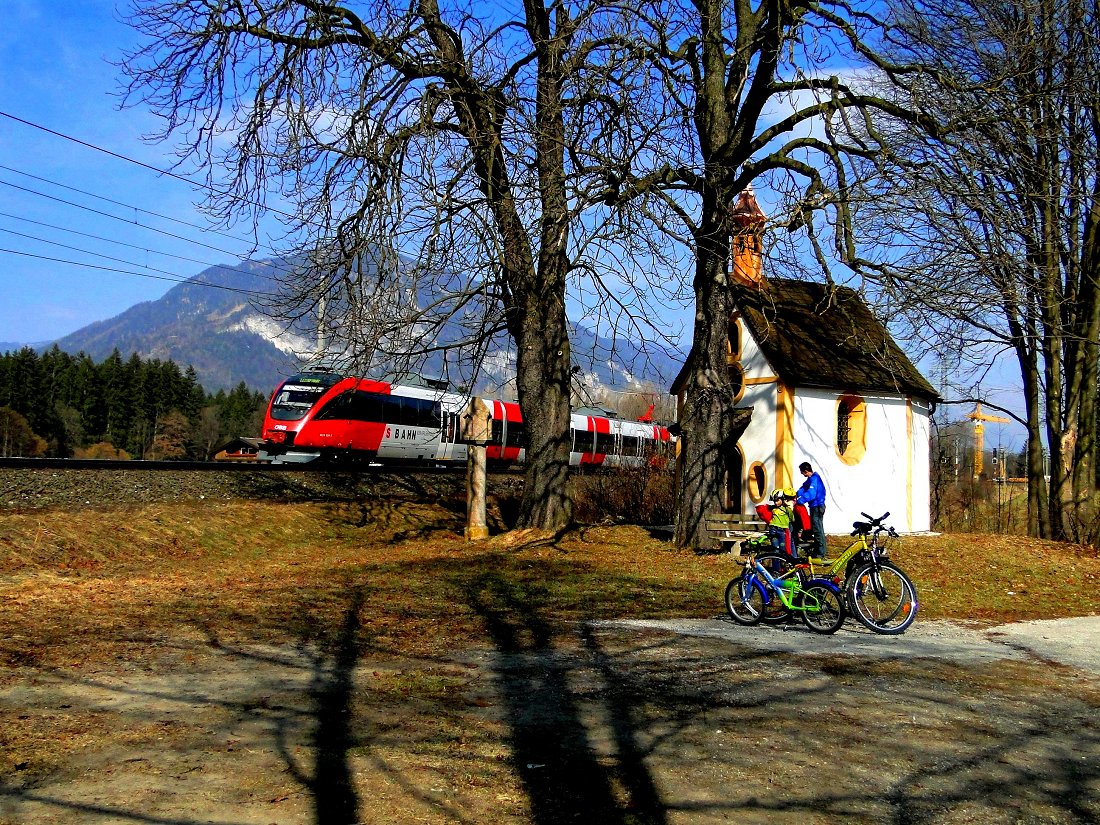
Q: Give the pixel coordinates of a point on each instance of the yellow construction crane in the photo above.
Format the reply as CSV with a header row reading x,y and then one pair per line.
x,y
979,418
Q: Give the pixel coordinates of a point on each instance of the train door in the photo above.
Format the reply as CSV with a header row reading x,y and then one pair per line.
x,y
450,430
509,434
615,458
447,435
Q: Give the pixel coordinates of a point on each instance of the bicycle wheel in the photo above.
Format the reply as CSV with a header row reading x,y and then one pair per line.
x,y
822,606
745,600
882,597
779,565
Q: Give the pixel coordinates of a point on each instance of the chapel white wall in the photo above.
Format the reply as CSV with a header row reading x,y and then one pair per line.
x,y
893,473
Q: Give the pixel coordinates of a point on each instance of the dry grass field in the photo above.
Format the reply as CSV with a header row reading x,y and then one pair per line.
x,y
349,661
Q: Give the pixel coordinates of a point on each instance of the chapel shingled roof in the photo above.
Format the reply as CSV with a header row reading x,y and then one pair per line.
x,y
815,335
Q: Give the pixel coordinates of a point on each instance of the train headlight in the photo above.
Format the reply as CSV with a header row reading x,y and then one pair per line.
x,y
276,436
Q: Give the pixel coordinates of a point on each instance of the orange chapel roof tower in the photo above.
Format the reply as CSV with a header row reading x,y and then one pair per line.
x,y
746,248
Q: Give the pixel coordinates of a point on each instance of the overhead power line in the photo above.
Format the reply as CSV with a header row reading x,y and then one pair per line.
x,y
139,247
119,203
136,162
132,222
172,275
173,279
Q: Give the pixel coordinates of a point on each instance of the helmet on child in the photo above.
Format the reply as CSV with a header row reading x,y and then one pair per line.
x,y
776,495
788,492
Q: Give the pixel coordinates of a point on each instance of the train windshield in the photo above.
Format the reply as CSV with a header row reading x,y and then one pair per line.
x,y
298,394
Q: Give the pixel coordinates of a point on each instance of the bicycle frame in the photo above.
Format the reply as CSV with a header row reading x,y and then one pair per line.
x,y
775,587
837,569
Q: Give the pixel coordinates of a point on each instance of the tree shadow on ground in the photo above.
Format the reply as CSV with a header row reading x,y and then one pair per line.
x,y
331,783
550,739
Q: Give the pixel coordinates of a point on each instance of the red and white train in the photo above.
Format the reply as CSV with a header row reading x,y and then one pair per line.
x,y
321,415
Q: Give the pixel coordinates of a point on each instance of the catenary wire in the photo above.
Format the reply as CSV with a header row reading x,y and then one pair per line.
x,y
131,272
120,260
60,185
135,208
138,247
135,161
115,217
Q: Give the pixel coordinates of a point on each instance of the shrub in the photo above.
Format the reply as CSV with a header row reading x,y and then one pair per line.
x,y
102,450
638,495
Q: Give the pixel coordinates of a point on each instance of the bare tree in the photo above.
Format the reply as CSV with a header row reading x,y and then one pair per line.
x,y
752,99
995,224
439,165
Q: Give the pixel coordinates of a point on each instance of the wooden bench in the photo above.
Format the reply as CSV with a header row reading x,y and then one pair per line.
x,y
731,529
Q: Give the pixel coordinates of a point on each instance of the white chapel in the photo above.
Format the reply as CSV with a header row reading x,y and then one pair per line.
x,y
825,383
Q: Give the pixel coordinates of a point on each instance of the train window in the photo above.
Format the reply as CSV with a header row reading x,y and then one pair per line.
x,y
498,431
367,406
430,414
338,407
420,412
605,443
582,441
631,444
292,403
517,434
391,409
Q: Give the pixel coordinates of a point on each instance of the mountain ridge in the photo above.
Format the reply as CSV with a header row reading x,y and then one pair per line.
x,y
209,322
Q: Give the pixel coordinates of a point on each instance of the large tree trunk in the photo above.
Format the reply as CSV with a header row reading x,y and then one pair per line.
x,y
705,422
543,360
542,376
704,425
1086,351
1038,514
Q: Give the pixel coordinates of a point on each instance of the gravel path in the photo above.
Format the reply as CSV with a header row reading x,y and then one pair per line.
x,y
1070,642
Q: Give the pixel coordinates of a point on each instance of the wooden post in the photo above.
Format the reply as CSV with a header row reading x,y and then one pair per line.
x,y
476,432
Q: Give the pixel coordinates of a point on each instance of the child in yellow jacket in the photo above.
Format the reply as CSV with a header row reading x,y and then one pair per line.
x,y
782,516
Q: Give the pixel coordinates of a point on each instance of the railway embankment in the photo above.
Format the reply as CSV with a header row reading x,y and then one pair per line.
x,y
24,489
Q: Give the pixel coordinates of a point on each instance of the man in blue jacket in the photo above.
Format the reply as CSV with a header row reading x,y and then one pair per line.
x,y
812,494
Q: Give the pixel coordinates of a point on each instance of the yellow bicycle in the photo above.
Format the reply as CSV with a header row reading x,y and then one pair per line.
x,y
876,590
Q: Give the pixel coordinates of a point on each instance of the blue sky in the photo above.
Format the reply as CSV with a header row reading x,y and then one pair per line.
x,y
56,72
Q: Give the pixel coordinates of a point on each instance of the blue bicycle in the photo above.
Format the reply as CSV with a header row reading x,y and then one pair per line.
x,y
767,591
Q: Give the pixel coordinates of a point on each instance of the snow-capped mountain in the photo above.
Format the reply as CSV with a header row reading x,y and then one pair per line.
x,y
212,323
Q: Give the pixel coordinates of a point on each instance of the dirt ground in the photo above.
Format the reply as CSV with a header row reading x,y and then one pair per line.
x,y
629,723
432,684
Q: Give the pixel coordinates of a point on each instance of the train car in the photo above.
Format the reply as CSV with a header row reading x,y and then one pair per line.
x,y
321,415
600,439
324,415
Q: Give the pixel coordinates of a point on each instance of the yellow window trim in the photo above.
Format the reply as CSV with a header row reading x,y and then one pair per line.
x,y
857,428
751,482
784,435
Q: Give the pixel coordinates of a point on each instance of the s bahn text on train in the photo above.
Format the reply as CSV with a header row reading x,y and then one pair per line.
x,y
322,415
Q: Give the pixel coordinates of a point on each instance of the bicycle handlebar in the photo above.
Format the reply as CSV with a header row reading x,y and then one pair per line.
x,y
871,524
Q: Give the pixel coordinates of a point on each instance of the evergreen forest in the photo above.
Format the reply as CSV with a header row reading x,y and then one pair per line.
x,y
54,404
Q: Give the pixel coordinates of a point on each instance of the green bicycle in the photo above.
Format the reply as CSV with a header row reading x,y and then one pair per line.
x,y
759,595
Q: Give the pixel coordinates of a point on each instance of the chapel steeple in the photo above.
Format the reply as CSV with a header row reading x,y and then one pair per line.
x,y
746,247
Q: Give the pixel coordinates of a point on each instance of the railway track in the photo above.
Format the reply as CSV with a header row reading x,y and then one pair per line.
x,y
219,466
